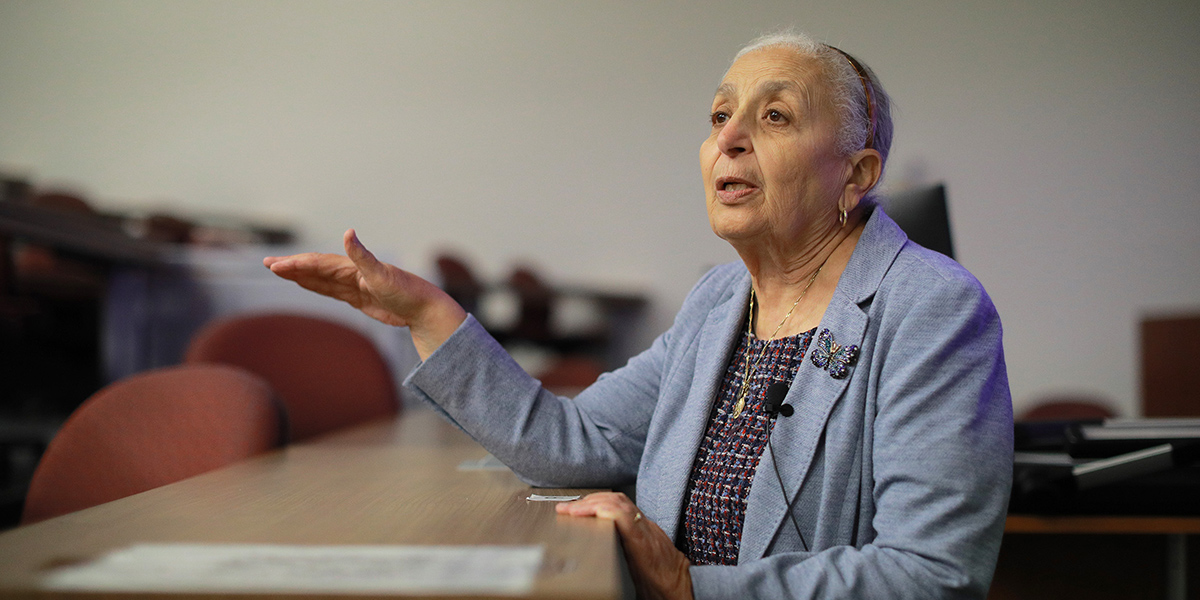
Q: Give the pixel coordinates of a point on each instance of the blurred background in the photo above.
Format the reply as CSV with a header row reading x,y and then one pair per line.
x,y
561,138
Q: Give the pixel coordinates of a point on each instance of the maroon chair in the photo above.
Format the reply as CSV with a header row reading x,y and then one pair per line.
x,y
569,375
1171,366
151,429
1066,408
328,375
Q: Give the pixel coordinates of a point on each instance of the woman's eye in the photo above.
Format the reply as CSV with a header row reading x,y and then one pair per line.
x,y
719,118
775,116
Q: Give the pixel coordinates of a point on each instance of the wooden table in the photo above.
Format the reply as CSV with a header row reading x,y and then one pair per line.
x,y
383,483
1096,557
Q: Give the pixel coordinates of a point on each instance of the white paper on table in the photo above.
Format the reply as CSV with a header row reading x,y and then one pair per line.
x,y
233,568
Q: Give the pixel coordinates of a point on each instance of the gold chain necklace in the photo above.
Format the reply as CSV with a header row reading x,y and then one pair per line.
x,y
745,387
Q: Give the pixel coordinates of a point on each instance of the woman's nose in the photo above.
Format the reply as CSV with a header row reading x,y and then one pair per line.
x,y
734,138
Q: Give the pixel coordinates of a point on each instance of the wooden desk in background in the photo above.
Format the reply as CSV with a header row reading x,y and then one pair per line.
x,y
1097,558
384,483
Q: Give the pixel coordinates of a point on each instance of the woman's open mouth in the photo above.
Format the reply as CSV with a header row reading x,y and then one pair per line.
x,y
732,189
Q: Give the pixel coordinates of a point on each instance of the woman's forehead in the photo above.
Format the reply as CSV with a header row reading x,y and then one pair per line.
x,y
770,70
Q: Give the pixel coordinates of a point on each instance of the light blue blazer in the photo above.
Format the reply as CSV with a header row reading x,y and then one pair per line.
x,y
897,475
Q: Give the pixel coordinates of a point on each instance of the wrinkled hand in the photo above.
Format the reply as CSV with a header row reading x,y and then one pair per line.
x,y
381,291
659,570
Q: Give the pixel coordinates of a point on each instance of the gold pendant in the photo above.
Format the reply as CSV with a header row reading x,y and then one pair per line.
x,y
737,408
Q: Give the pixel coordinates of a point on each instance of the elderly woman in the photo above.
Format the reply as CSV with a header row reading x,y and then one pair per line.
x,y
885,472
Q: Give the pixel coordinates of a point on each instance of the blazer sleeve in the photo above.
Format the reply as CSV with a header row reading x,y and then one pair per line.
x,y
940,463
593,440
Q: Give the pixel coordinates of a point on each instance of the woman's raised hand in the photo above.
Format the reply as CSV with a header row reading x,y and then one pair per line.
x,y
381,291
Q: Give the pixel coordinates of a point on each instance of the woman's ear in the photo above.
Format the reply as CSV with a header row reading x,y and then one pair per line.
x,y
866,166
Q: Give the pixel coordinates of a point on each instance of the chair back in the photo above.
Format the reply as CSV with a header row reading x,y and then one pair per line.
x,y
924,216
328,375
1171,366
1068,408
151,429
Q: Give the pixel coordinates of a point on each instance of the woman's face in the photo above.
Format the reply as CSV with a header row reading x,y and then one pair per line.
x,y
770,167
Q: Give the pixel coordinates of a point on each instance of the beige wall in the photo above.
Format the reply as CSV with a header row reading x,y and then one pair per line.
x,y
566,134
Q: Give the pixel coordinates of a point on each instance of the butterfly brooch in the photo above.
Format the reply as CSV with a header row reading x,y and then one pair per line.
x,y
828,354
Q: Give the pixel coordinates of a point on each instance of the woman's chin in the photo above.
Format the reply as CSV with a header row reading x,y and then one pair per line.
x,y
733,220
736,233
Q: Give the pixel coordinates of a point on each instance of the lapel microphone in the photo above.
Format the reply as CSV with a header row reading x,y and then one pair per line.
x,y
773,403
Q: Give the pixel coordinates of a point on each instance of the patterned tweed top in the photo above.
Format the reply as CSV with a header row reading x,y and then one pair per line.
x,y
729,453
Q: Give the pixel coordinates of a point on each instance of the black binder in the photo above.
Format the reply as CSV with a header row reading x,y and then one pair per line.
x,y
1114,467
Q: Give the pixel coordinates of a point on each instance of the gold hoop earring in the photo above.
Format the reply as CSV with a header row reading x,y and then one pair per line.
x,y
842,217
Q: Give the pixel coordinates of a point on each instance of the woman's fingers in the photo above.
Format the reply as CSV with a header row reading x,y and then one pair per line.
x,y
390,288
634,528
316,264
281,264
605,505
330,275
309,265
380,290
658,569
364,259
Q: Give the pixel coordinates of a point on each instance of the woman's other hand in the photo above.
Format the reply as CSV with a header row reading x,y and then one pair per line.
x,y
381,291
659,570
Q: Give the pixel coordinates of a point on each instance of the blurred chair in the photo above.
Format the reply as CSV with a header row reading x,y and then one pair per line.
x,y
152,429
1067,408
458,280
50,307
328,375
537,306
1171,366
42,270
923,215
568,375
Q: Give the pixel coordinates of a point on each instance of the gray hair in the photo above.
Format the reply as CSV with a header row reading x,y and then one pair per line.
x,y
846,90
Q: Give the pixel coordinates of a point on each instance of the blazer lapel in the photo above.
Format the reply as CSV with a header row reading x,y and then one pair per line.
x,y
813,394
814,391
686,426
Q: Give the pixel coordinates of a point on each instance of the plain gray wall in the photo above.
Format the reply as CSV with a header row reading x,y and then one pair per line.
x,y
566,134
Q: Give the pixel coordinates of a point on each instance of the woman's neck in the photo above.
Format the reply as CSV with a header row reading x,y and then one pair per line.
x,y
780,275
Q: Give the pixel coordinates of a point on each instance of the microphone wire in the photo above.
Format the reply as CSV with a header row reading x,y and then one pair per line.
x,y
774,411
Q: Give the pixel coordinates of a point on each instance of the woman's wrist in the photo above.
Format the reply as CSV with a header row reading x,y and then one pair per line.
x,y
435,323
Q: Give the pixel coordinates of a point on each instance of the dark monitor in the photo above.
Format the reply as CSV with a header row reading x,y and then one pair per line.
x,y
922,214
